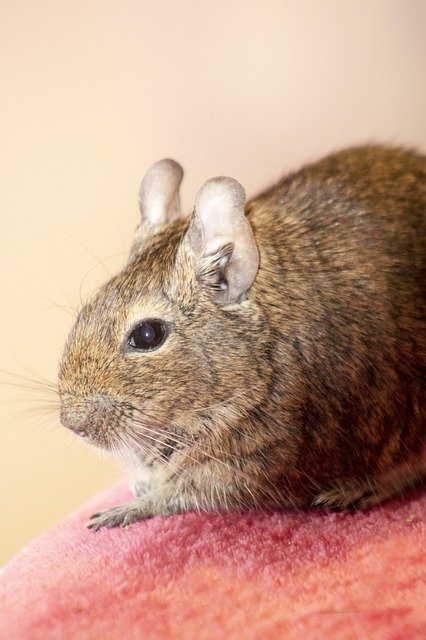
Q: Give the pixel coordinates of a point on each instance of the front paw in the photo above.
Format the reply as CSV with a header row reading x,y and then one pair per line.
x,y
122,516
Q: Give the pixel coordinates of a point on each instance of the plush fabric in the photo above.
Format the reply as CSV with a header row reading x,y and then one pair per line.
x,y
306,575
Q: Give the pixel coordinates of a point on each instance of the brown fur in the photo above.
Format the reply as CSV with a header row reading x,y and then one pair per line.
x,y
310,390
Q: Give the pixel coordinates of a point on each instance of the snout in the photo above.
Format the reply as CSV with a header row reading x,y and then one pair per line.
x,y
91,419
82,420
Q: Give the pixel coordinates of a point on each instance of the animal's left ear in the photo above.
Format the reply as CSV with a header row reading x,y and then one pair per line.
x,y
222,240
159,201
159,193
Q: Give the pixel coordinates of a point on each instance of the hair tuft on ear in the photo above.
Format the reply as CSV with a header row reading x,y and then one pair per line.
x,y
211,270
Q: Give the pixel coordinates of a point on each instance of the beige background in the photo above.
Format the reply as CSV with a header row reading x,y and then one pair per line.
x,y
94,91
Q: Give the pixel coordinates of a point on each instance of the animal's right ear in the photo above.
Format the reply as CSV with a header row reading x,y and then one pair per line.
x,y
159,200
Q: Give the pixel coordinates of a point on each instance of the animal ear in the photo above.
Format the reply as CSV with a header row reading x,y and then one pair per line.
x,y
222,239
159,200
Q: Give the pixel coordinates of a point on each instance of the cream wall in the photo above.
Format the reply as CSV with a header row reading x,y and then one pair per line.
x,y
94,91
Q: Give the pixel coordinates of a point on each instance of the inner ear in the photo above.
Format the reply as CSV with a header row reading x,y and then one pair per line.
x,y
221,237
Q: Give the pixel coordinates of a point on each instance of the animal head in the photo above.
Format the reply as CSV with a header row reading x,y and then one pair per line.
x,y
173,345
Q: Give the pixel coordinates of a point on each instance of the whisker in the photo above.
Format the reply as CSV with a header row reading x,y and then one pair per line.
x,y
61,308
38,422
146,447
36,380
89,251
35,409
33,374
68,447
55,305
148,431
42,394
101,262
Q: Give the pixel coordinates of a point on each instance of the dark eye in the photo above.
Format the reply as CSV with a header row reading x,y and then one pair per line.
x,y
148,335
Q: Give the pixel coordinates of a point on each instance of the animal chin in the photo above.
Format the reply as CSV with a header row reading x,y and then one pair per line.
x,y
101,440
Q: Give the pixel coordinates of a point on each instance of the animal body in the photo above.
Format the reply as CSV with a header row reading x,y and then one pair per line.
x,y
262,355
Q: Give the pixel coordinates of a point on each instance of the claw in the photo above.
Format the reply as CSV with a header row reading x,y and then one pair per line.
x,y
122,516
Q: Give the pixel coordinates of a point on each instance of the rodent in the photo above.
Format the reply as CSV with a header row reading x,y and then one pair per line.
x,y
262,355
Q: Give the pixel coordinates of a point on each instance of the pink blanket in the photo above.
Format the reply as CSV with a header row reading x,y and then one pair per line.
x,y
306,575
